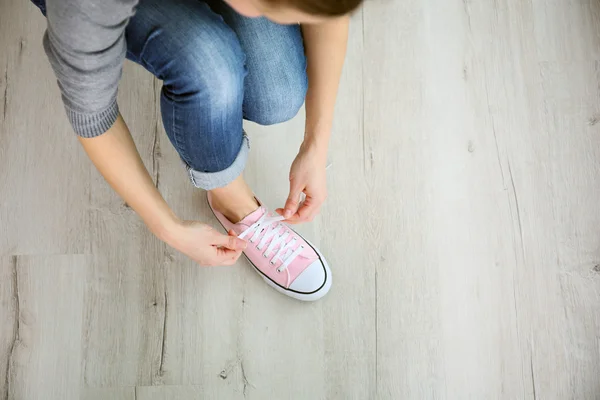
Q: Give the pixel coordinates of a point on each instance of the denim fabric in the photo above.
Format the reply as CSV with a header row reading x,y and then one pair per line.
x,y
217,68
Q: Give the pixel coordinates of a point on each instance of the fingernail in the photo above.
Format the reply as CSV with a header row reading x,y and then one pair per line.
x,y
287,213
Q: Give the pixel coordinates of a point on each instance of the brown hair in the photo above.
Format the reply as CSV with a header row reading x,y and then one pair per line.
x,y
322,8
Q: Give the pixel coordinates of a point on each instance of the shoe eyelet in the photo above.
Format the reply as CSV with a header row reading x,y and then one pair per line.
x,y
272,263
278,270
264,255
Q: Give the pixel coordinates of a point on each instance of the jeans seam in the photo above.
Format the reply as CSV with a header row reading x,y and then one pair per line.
x,y
175,131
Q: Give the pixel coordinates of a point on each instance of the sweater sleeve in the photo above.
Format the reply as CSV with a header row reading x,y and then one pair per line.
x,y
85,43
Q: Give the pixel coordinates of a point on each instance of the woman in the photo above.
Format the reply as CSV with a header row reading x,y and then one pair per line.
x,y
220,63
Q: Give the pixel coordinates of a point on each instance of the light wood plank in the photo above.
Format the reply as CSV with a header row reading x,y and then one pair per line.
x,y
8,319
349,243
125,393
563,188
44,181
46,359
125,299
409,347
446,304
182,393
568,240
536,131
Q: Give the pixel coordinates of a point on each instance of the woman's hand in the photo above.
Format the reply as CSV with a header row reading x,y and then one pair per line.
x,y
307,176
205,245
116,157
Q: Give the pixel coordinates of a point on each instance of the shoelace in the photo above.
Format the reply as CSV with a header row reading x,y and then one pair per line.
x,y
269,228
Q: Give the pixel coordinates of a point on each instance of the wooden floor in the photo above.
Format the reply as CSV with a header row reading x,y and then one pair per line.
x,y
465,171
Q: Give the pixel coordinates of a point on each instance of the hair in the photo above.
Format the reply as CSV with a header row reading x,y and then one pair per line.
x,y
322,8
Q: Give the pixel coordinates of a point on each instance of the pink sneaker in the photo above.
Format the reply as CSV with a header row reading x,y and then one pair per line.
x,y
284,259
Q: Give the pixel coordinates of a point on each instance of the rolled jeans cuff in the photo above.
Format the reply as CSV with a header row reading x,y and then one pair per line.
x,y
213,180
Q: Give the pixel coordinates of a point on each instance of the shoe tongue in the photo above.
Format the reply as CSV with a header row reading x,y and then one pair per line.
x,y
249,220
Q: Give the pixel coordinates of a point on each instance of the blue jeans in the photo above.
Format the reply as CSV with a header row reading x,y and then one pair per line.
x,y
217,68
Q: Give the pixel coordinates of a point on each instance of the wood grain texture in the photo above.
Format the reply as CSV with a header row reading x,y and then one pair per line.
x,y
125,298
461,225
470,121
43,171
9,318
121,393
45,361
349,312
180,393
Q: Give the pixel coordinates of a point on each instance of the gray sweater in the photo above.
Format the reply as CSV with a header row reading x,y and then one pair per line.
x,y
85,43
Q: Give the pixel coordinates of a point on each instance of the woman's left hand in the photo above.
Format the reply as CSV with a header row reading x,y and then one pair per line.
x,y
307,176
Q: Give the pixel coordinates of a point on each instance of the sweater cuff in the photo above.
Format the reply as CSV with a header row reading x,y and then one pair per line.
x,y
91,125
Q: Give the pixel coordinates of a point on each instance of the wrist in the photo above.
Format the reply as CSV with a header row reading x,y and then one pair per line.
x,y
315,147
167,229
318,142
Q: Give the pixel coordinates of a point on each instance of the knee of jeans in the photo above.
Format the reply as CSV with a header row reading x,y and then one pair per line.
x,y
210,74
279,103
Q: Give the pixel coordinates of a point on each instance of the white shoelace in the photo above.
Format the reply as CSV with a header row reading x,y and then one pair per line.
x,y
269,228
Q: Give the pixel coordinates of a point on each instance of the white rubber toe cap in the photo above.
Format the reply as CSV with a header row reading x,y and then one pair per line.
x,y
311,279
313,283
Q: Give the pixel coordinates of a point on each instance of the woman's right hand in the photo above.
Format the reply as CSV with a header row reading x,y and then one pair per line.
x,y
116,157
205,245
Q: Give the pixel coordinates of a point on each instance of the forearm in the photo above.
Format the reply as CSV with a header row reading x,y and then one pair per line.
x,y
325,47
116,157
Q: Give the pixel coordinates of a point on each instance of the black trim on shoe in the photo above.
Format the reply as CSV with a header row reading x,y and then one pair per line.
x,y
263,274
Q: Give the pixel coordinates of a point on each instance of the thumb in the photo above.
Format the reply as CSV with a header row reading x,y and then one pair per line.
x,y
291,204
230,241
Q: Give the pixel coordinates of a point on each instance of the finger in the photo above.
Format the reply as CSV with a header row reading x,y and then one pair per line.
x,y
293,219
293,200
281,211
305,213
229,241
215,260
226,257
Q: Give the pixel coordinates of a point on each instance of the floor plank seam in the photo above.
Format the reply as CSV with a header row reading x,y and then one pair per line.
x,y
245,381
376,338
15,339
155,145
532,375
164,337
5,108
362,131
